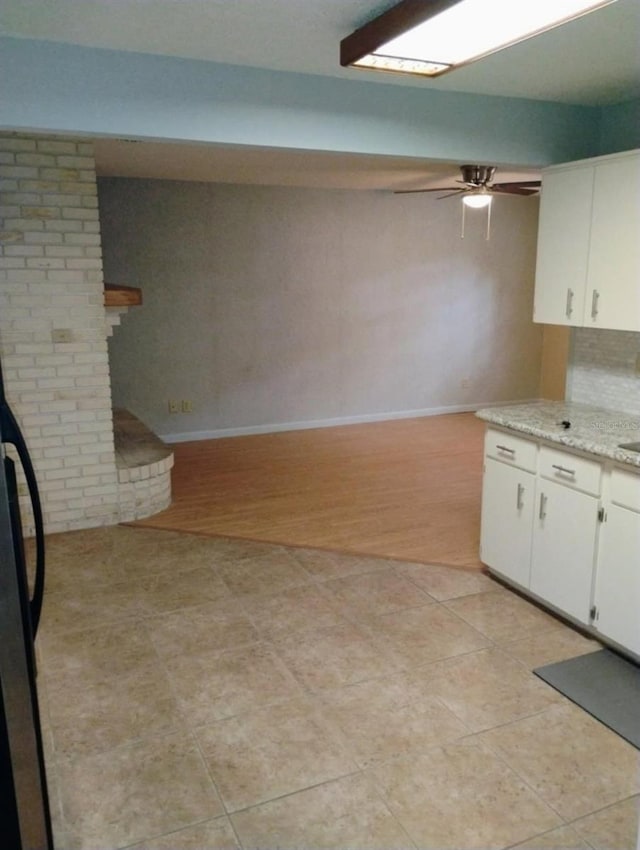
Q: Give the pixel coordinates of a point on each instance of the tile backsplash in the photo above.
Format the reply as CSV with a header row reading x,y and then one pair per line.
x,y
602,369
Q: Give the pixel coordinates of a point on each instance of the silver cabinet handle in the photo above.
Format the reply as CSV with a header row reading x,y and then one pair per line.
x,y
543,506
506,449
519,503
594,303
563,469
569,307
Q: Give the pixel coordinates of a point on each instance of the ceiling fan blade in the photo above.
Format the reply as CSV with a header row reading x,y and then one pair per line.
x,y
523,184
474,182
452,194
512,189
419,191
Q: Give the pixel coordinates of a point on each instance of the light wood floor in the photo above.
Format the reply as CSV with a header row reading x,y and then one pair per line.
x,y
407,489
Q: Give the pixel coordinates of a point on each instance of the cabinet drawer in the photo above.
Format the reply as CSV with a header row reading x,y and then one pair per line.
x,y
574,471
625,489
510,449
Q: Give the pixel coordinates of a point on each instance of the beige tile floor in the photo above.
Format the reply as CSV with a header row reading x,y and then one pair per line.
x,y
207,693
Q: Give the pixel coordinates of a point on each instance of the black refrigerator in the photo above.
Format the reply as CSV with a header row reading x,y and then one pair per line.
x,y
25,823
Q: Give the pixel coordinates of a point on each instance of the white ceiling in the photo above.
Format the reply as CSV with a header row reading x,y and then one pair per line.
x,y
592,61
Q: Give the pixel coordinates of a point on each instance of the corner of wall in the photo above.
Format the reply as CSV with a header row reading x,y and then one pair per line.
x,y
619,127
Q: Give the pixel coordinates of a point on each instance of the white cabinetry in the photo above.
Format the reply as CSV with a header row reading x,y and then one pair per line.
x,y
508,492
613,279
563,246
507,520
617,587
564,528
588,260
563,552
565,531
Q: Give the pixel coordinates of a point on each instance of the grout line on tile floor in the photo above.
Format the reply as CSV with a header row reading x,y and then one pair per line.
x,y
177,831
544,835
495,751
606,808
357,772
204,761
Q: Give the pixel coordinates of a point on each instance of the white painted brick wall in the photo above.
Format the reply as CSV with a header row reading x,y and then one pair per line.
x,y
602,369
145,490
53,326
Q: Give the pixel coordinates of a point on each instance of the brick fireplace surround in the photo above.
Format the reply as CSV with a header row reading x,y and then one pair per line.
x,y
53,336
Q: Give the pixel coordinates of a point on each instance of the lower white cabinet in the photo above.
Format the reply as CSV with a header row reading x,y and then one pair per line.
x,y
563,551
507,520
566,529
617,586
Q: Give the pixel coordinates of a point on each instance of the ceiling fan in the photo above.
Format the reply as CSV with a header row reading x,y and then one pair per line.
x,y
477,186
477,190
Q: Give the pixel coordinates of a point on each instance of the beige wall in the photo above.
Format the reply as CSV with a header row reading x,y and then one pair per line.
x,y
555,355
274,306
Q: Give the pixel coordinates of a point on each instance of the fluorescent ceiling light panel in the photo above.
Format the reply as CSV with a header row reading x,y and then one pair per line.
x,y
430,37
376,62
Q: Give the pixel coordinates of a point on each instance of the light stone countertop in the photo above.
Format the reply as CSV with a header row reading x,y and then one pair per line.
x,y
593,429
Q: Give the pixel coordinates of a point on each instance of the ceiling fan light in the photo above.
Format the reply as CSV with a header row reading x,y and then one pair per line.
x,y
476,200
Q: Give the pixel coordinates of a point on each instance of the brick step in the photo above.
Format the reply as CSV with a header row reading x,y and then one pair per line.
x,y
144,465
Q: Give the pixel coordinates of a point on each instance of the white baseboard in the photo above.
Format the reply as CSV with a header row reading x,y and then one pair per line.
x,y
273,427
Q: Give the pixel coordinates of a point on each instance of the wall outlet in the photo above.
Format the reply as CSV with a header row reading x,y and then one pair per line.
x,y
465,383
187,406
174,406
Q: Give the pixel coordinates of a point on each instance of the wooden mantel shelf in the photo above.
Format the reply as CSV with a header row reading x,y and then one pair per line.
x,y
116,295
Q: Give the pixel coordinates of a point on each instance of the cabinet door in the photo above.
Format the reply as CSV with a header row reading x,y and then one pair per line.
x,y
563,246
507,520
617,596
564,538
613,280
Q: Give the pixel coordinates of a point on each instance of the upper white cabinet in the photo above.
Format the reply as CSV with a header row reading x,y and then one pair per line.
x,y
613,278
563,246
588,261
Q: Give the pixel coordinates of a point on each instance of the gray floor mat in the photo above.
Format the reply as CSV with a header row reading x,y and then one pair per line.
x,y
604,684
